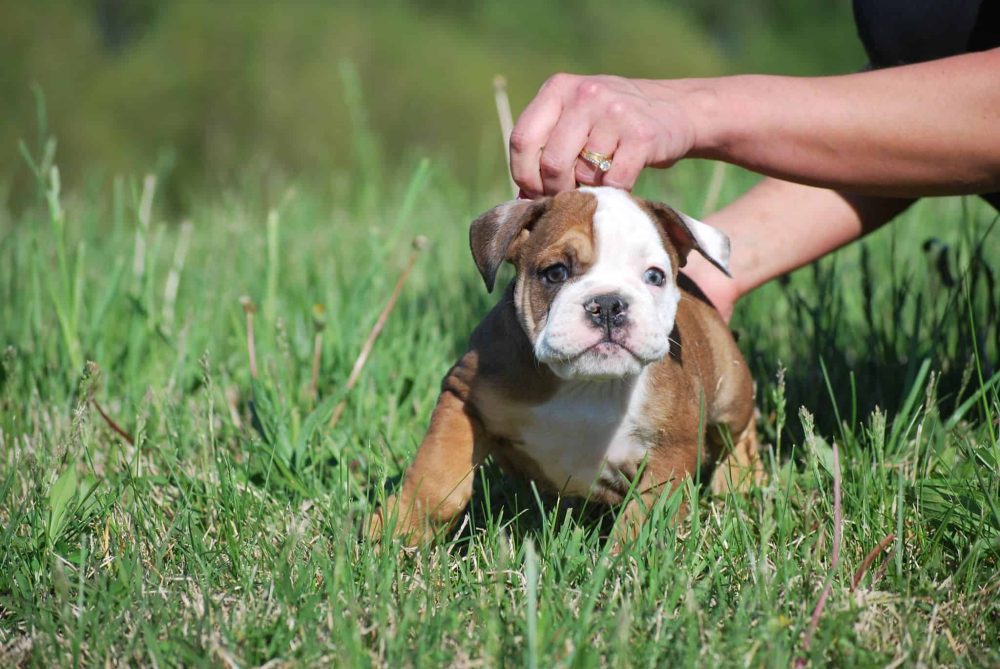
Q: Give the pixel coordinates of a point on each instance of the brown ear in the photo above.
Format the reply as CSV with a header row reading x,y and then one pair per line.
x,y
688,234
492,235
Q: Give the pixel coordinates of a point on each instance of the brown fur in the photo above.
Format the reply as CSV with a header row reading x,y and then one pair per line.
x,y
702,387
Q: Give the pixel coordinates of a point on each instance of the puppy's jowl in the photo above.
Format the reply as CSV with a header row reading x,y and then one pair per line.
x,y
597,367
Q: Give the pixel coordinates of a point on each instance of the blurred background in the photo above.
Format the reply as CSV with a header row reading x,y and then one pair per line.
x,y
208,94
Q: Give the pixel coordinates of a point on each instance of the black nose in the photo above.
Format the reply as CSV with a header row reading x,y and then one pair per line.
x,y
606,311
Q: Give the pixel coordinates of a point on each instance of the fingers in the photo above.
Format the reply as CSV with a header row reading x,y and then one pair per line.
x,y
531,132
626,165
547,139
604,140
557,165
608,115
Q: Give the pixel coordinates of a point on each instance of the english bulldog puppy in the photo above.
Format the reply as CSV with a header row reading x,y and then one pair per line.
x,y
601,373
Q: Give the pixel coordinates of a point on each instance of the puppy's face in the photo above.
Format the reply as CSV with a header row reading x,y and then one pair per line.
x,y
596,288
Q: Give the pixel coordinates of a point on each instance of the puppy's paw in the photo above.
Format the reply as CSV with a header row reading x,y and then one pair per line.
x,y
741,469
376,526
393,521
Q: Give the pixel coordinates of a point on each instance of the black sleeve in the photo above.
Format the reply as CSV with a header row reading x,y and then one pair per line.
x,y
900,32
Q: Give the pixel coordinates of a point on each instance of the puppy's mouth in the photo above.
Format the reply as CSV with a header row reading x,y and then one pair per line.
x,y
599,348
605,348
608,347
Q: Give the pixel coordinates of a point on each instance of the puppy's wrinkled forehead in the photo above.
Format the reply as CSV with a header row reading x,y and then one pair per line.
x,y
579,224
565,229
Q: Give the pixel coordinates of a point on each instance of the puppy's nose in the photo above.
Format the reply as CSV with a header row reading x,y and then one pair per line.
x,y
606,311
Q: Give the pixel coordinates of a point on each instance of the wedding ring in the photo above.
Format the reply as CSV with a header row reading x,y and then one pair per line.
x,y
598,160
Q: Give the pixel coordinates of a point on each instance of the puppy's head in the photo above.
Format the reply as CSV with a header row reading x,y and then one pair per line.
x,y
596,287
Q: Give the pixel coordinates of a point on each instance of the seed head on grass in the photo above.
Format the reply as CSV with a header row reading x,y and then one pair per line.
x,y
506,119
249,308
834,561
319,324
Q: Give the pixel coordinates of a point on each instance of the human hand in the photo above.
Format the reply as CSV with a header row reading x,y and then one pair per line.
x,y
638,122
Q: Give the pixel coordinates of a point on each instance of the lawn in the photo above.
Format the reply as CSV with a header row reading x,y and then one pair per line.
x,y
168,497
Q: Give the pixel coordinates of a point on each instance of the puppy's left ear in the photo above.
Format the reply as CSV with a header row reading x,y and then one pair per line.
x,y
493,236
687,233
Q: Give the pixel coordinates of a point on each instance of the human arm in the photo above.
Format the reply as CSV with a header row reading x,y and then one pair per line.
x,y
778,226
926,129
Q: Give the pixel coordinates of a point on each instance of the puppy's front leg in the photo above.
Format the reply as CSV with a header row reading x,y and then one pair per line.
x,y
663,472
438,484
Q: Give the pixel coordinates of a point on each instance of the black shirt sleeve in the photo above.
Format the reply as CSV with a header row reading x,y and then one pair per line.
x,y
900,32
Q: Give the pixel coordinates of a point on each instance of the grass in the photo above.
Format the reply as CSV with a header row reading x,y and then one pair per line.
x,y
224,530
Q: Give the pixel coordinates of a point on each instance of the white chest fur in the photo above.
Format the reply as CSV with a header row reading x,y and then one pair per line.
x,y
582,434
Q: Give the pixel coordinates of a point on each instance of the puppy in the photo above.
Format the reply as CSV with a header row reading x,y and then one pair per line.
x,y
601,371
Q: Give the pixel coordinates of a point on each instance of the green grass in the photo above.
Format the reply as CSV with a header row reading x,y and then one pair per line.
x,y
227,534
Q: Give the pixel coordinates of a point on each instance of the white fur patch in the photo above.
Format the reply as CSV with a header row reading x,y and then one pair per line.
x,y
712,243
581,434
627,244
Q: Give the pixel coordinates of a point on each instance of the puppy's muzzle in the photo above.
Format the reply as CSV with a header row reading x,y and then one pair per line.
x,y
607,312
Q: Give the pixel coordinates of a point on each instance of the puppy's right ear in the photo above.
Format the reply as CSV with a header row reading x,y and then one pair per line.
x,y
494,235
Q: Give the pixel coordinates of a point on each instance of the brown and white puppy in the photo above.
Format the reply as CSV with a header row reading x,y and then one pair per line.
x,y
600,370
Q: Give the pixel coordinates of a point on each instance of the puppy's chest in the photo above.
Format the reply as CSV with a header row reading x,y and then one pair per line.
x,y
584,440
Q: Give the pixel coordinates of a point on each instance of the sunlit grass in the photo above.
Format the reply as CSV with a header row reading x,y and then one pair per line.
x,y
226,532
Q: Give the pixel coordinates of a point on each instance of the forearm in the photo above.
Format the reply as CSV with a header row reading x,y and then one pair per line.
x,y
780,226
926,129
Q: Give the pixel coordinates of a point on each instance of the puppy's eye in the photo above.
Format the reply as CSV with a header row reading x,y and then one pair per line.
x,y
654,276
555,273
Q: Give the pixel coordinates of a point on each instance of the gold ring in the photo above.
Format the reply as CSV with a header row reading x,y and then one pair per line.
x,y
598,160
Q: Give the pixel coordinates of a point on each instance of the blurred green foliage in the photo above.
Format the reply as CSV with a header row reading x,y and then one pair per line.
x,y
202,92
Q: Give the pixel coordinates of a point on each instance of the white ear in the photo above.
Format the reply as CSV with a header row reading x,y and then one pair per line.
x,y
710,242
